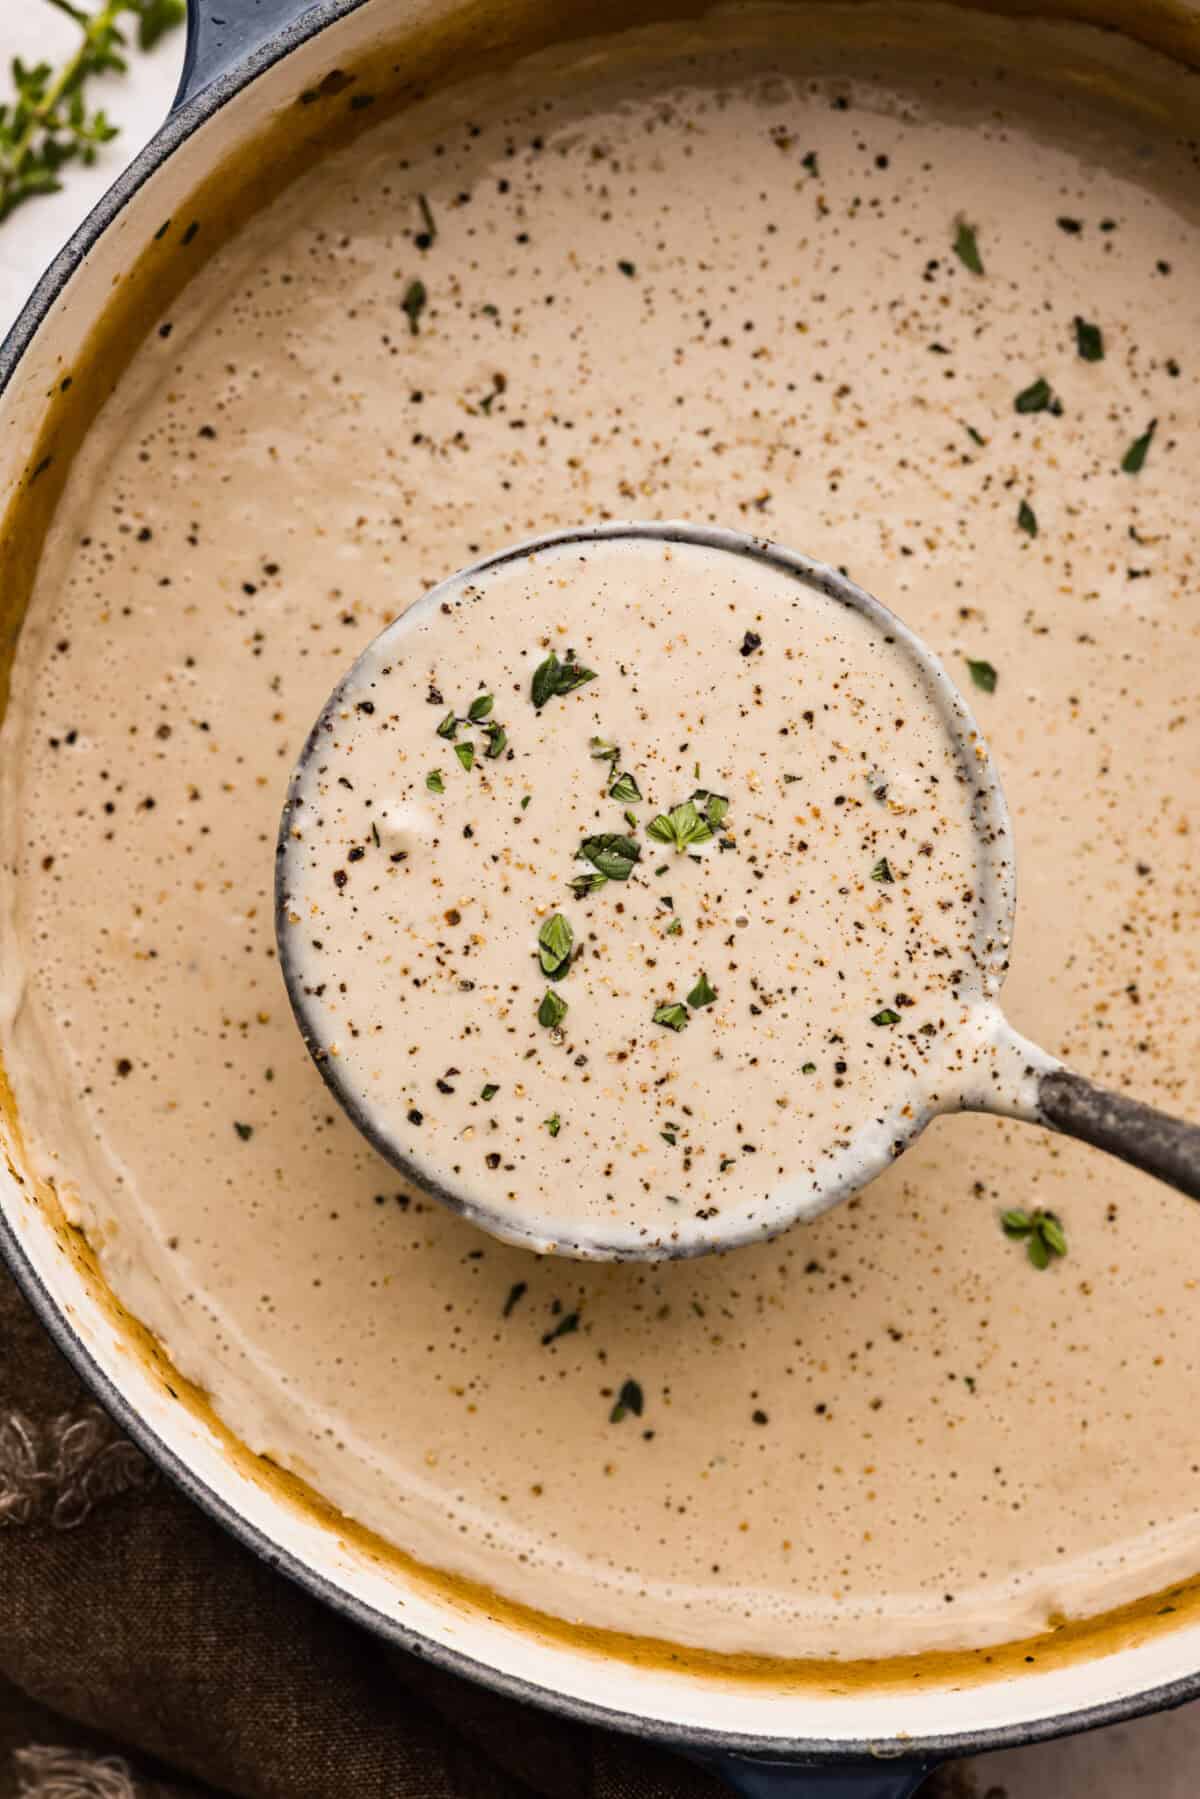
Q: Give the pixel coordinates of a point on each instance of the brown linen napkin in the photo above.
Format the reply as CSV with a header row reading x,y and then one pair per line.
x,y
146,1655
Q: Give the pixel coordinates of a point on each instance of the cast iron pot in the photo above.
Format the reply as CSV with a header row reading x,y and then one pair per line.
x,y
247,62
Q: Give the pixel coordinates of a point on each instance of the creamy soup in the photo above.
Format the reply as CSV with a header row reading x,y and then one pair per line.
x,y
600,1005
938,330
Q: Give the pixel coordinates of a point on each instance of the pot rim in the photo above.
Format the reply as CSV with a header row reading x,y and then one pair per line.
x,y
185,118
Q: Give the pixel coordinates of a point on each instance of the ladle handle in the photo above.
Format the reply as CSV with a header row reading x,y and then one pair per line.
x,y
1166,1147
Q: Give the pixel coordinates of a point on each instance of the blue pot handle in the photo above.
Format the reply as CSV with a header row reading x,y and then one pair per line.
x,y
757,1779
221,34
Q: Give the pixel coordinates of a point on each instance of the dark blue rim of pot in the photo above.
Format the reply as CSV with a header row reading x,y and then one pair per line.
x,y
229,44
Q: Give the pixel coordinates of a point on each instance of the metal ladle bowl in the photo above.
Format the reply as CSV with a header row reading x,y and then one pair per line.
x,y
1003,1073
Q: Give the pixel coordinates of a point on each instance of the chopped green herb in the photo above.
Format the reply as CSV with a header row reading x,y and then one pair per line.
x,y
448,726
490,1091
684,825
553,677
983,675
625,789
515,1293
434,781
810,163
672,1014
966,247
1040,1231
702,994
48,123
713,805
1089,340
1027,518
627,268
887,1016
479,708
413,304
611,853
375,837
602,750
430,232
808,1068
553,1124
525,799
790,780
1134,459
497,738
244,1131
555,940
882,871
629,1399
675,928
552,1010
976,437
1037,397
466,754
1053,1233
582,885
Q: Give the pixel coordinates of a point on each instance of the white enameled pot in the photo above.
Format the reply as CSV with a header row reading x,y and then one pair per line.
x,y
247,62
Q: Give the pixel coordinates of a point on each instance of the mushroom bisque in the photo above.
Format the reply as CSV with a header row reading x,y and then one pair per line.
x,y
829,294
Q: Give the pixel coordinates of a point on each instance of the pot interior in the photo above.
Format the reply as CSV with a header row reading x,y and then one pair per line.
x,y
213,168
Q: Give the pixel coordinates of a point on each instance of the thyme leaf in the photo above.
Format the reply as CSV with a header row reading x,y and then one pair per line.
x,y
1089,340
702,994
611,854
695,821
672,1014
1040,1231
966,247
983,675
1134,459
47,123
1037,397
413,304
552,1010
629,1399
552,677
555,942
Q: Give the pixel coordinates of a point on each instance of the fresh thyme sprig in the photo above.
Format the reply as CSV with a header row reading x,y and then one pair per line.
x,y
1040,1231
47,123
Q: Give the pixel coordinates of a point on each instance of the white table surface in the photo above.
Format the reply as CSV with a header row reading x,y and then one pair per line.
x,y
1154,1758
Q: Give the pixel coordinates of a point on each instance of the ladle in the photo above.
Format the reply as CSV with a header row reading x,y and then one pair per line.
x,y
964,1056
